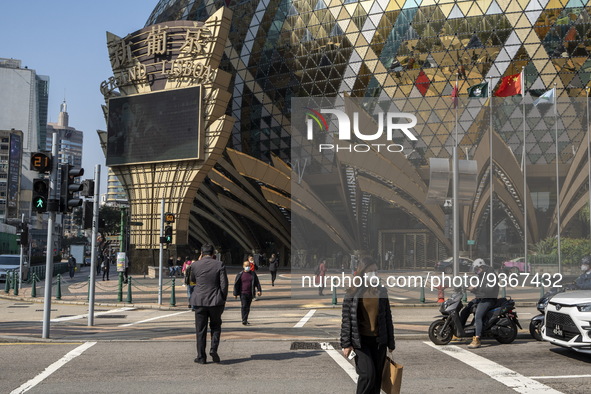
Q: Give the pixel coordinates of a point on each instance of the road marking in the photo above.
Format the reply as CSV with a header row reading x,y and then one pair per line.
x,y
340,360
506,376
561,377
76,317
38,343
152,319
53,367
305,319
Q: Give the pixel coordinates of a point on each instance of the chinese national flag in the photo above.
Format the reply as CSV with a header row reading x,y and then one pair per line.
x,y
510,86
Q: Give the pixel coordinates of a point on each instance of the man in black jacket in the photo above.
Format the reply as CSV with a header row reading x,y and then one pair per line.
x,y
245,285
208,300
273,266
486,294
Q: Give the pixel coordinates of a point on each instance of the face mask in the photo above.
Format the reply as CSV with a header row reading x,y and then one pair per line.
x,y
246,269
585,268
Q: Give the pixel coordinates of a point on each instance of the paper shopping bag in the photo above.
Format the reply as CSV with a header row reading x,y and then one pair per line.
x,y
391,377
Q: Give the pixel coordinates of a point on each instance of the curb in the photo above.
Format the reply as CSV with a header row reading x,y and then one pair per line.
x,y
39,300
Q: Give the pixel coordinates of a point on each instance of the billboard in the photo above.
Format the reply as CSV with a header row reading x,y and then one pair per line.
x,y
14,171
154,127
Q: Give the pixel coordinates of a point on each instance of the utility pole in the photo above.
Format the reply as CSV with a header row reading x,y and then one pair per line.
x,y
161,256
93,262
52,205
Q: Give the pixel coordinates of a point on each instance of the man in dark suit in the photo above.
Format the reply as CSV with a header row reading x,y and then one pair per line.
x,y
208,300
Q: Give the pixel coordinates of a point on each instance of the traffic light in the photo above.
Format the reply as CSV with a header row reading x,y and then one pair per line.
x,y
40,194
69,187
41,162
87,214
22,235
88,188
168,234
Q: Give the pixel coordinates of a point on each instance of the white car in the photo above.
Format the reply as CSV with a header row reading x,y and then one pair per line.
x,y
9,262
568,320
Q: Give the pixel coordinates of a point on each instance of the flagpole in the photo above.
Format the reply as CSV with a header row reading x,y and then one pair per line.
x,y
491,173
456,208
589,158
524,158
557,179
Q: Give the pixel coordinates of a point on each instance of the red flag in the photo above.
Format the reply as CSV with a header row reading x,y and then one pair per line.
x,y
454,95
510,86
422,82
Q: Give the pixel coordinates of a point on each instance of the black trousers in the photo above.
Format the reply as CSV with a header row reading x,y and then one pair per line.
x,y
203,315
245,301
273,276
106,272
369,364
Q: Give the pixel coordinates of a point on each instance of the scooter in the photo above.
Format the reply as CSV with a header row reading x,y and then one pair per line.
x,y
500,321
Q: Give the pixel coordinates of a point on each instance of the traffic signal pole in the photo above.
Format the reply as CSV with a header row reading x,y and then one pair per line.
x,y
49,249
93,262
161,256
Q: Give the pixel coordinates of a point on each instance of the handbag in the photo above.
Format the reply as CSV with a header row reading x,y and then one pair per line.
x,y
392,376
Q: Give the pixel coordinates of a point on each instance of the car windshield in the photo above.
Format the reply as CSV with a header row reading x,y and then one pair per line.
x,y
5,260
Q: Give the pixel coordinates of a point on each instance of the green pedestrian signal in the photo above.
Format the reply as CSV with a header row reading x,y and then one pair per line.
x,y
40,203
40,194
168,234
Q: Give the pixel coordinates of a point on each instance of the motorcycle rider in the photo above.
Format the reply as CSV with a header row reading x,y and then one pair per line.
x,y
485,294
583,282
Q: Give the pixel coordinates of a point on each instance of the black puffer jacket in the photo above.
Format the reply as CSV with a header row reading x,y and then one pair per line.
x,y
488,284
350,327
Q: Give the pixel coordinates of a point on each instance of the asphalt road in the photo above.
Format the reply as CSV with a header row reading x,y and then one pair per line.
x,y
152,351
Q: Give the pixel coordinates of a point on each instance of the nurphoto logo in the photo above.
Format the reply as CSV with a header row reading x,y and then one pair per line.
x,y
387,123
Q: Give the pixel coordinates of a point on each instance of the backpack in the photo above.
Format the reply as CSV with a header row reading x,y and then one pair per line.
x,y
188,275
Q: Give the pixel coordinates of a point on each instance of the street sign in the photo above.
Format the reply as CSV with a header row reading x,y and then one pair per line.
x,y
169,217
471,242
121,262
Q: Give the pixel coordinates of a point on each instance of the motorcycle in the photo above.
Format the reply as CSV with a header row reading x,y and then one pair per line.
x,y
500,321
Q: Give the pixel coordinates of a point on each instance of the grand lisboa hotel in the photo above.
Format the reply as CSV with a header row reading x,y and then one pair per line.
x,y
421,56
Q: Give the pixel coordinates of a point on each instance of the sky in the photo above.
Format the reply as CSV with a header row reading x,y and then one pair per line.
x,y
66,40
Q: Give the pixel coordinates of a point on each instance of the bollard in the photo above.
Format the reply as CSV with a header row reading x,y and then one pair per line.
x,y
16,282
34,287
120,288
334,295
7,283
173,295
503,291
422,295
58,291
129,299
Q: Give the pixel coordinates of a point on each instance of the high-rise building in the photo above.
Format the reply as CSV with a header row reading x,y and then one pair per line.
x,y
24,97
11,153
115,192
70,143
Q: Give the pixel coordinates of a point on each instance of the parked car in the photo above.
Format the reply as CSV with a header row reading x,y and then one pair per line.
x,y
515,266
10,262
447,265
567,319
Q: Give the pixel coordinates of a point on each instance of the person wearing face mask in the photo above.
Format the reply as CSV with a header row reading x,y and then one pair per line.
x,y
246,285
583,282
367,327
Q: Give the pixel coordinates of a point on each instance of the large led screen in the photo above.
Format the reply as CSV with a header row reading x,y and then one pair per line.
x,y
154,127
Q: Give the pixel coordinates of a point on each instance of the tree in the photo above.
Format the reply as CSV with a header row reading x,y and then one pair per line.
x,y
109,220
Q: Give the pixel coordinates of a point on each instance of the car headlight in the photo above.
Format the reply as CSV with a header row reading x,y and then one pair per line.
x,y
584,308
